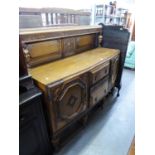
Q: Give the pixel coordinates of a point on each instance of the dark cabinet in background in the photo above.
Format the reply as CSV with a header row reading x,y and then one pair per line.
x,y
33,135
116,37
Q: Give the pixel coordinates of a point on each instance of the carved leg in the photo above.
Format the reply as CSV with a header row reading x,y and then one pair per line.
x,y
119,87
112,91
118,93
84,120
102,104
56,143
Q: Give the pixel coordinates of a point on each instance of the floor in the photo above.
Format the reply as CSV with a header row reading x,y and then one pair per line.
x,y
132,148
109,131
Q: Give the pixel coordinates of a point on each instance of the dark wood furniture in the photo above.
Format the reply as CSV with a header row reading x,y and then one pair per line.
x,y
116,37
33,136
73,71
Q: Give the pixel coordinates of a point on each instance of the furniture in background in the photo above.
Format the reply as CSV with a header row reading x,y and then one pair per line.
x,y
111,15
74,72
133,33
33,136
116,37
130,56
45,17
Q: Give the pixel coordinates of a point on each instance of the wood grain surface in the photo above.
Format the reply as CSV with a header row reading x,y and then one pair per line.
x,y
80,63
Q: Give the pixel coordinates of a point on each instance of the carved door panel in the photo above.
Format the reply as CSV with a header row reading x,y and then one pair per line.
x,y
69,100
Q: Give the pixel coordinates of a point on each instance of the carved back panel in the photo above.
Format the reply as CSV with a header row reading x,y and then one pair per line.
x,y
46,45
40,52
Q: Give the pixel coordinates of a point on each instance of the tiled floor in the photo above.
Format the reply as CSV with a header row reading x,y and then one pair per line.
x,y
109,131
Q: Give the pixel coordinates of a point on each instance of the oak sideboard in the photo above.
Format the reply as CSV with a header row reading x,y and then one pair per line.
x,y
73,70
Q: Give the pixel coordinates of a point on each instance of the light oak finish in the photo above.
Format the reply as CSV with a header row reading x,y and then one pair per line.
x,y
56,29
98,91
67,99
44,45
76,82
42,34
55,71
85,40
43,48
41,52
99,72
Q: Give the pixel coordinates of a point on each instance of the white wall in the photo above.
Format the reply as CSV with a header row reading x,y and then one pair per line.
x,y
78,4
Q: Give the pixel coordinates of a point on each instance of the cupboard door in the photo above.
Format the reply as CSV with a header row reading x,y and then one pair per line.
x,y
69,100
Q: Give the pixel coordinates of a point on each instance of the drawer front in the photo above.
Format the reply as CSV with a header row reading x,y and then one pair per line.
x,y
98,91
99,72
42,52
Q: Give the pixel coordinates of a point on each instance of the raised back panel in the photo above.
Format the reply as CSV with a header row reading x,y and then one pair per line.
x,y
69,46
77,44
85,42
43,45
42,52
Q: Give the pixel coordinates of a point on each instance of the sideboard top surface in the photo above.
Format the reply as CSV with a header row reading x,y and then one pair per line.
x,y
58,70
57,29
41,34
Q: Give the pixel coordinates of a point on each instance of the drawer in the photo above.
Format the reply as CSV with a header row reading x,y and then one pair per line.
x,y
98,91
99,72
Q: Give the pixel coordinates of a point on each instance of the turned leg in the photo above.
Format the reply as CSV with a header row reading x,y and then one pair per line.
x,y
118,93
119,87
102,104
112,91
56,143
